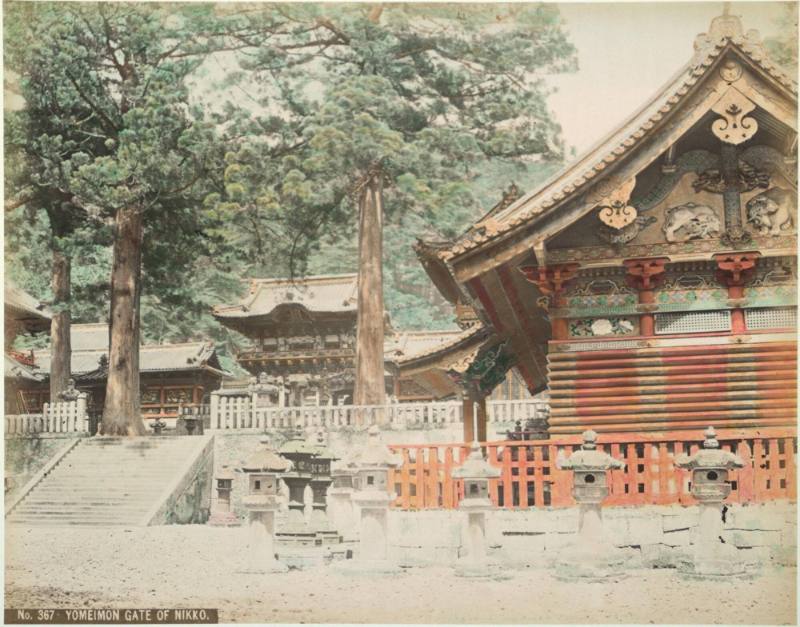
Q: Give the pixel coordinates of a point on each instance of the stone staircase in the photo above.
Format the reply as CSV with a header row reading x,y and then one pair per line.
x,y
112,481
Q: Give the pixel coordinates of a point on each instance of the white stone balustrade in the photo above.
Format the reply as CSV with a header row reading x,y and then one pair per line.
x,y
241,412
59,417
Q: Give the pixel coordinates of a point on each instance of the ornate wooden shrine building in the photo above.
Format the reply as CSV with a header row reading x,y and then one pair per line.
x,y
303,332
171,374
651,285
22,313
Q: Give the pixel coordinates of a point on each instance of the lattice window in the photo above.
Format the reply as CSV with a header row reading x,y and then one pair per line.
x,y
599,345
693,322
771,317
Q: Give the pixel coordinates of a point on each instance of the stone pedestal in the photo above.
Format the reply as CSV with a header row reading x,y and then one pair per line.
x,y
476,473
260,553
591,557
711,558
341,512
372,555
373,499
475,563
308,504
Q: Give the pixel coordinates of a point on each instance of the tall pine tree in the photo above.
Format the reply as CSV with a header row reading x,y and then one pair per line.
x,y
401,101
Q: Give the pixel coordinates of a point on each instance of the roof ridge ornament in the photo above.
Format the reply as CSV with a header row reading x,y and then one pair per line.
x,y
724,28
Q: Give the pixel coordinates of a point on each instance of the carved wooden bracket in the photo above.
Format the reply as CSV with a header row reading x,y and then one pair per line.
x,y
645,274
552,279
733,127
736,269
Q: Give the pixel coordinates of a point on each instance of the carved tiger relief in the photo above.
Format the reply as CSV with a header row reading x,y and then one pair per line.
x,y
772,211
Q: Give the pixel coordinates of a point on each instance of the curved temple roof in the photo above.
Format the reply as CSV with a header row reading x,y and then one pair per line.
x,y
725,32
335,293
90,345
20,305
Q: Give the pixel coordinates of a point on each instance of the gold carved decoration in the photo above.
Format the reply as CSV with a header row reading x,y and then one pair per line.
x,y
614,210
734,127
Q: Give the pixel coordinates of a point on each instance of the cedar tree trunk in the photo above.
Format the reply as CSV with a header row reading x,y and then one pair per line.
x,y
60,345
121,413
369,384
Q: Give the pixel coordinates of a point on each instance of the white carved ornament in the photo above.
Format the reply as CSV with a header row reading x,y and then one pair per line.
x,y
615,211
734,127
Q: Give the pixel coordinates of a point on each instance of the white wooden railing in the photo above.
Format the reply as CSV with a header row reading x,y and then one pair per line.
x,y
58,417
238,412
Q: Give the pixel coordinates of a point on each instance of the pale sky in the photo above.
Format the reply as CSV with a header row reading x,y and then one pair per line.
x,y
627,52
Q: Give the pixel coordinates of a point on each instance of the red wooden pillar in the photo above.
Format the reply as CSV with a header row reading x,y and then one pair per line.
x,y
734,271
644,275
473,402
482,419
469,417
551,281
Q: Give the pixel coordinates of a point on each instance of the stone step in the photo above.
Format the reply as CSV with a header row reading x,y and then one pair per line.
x,y
106,482
88,486
87,511
77,506
99,477
132,516
126,519
33,522
134,475
53,499
160,460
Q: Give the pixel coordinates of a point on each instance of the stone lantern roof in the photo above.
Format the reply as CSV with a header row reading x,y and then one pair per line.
x,y
266,460
710,456
377,454
298,445
589,458
322,451
475,466
226,474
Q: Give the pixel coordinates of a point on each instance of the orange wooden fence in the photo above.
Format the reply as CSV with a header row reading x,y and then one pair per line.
x,y
530,477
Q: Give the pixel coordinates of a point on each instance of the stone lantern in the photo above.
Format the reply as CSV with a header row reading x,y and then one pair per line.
x,y
373,499
320,480
476,473
189,421
157,426
710,466
341,510
300,452
591,555
223,516
262,470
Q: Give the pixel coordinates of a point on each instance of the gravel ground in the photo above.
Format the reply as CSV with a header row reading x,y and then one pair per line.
x,y
195,566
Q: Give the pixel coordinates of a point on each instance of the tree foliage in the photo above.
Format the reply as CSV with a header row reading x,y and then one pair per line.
x,y
256,178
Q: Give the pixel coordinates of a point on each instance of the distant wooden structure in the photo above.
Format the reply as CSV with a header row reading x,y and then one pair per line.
x,y
171,374
22,313
302,332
